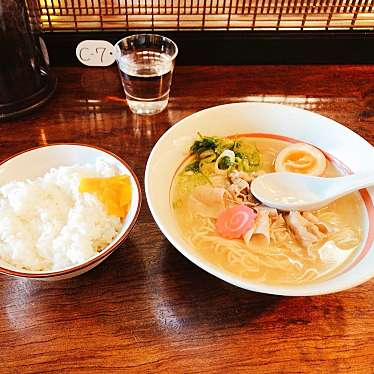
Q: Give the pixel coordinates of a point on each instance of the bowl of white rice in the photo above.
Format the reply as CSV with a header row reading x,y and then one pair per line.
x,y
49,230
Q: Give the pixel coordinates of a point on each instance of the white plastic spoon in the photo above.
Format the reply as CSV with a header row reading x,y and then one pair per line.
x,y
291,191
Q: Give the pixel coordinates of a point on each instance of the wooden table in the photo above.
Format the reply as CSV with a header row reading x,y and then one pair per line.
x,y
147,308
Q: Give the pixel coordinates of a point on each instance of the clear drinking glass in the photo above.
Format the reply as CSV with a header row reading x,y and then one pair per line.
x,y
146,64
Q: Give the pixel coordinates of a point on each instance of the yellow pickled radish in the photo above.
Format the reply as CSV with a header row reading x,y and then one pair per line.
x,y
113,192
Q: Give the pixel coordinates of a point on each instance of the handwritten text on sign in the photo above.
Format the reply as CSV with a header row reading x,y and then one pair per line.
x,y
95,53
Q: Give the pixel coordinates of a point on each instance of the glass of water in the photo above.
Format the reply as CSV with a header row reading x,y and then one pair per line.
x,y
146,64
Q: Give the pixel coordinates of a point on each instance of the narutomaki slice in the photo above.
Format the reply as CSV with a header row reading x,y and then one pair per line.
x,y
234,222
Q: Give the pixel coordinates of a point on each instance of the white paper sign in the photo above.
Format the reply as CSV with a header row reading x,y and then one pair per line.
x,y
95,53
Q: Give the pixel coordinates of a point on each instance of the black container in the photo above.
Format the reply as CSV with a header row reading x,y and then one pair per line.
x,y
26,81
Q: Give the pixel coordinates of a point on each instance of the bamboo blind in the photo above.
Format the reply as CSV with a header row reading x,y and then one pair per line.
x,y
83,15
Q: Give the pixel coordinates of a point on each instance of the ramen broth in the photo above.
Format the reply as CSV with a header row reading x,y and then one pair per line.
x,y
283,260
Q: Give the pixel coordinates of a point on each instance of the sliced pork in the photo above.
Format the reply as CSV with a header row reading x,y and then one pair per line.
x,y
262,224
208,201
305,231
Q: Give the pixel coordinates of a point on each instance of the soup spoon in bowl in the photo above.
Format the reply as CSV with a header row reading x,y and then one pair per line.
x,y
292,191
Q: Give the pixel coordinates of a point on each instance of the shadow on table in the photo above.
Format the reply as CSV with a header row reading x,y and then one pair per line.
x,y
187,296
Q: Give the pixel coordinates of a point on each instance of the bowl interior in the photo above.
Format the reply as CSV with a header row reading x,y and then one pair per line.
x,y
258,118
36,162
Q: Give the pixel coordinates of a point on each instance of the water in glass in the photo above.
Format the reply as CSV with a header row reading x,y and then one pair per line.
x,y
146,78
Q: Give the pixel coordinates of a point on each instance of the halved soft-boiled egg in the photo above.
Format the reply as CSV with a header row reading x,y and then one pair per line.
x,y
301,158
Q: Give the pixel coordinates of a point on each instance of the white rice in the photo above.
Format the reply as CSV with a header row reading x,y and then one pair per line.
x,y
47,224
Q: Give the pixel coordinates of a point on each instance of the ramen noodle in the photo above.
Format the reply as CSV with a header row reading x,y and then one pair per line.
x,y
222,221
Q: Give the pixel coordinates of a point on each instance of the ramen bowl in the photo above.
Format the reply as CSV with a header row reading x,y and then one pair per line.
x,y
263,120
36,162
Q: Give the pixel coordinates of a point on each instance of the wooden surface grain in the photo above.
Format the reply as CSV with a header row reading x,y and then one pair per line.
x,y
147,308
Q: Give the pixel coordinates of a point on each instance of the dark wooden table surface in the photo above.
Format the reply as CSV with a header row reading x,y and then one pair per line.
x,y
147,308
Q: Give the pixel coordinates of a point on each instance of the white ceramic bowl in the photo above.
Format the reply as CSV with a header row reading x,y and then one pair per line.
x,y
36,162
279,121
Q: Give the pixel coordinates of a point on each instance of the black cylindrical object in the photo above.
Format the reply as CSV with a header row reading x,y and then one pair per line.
x,y
25,78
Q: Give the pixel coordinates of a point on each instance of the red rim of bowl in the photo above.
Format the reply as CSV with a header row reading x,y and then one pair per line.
x,y
110,249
